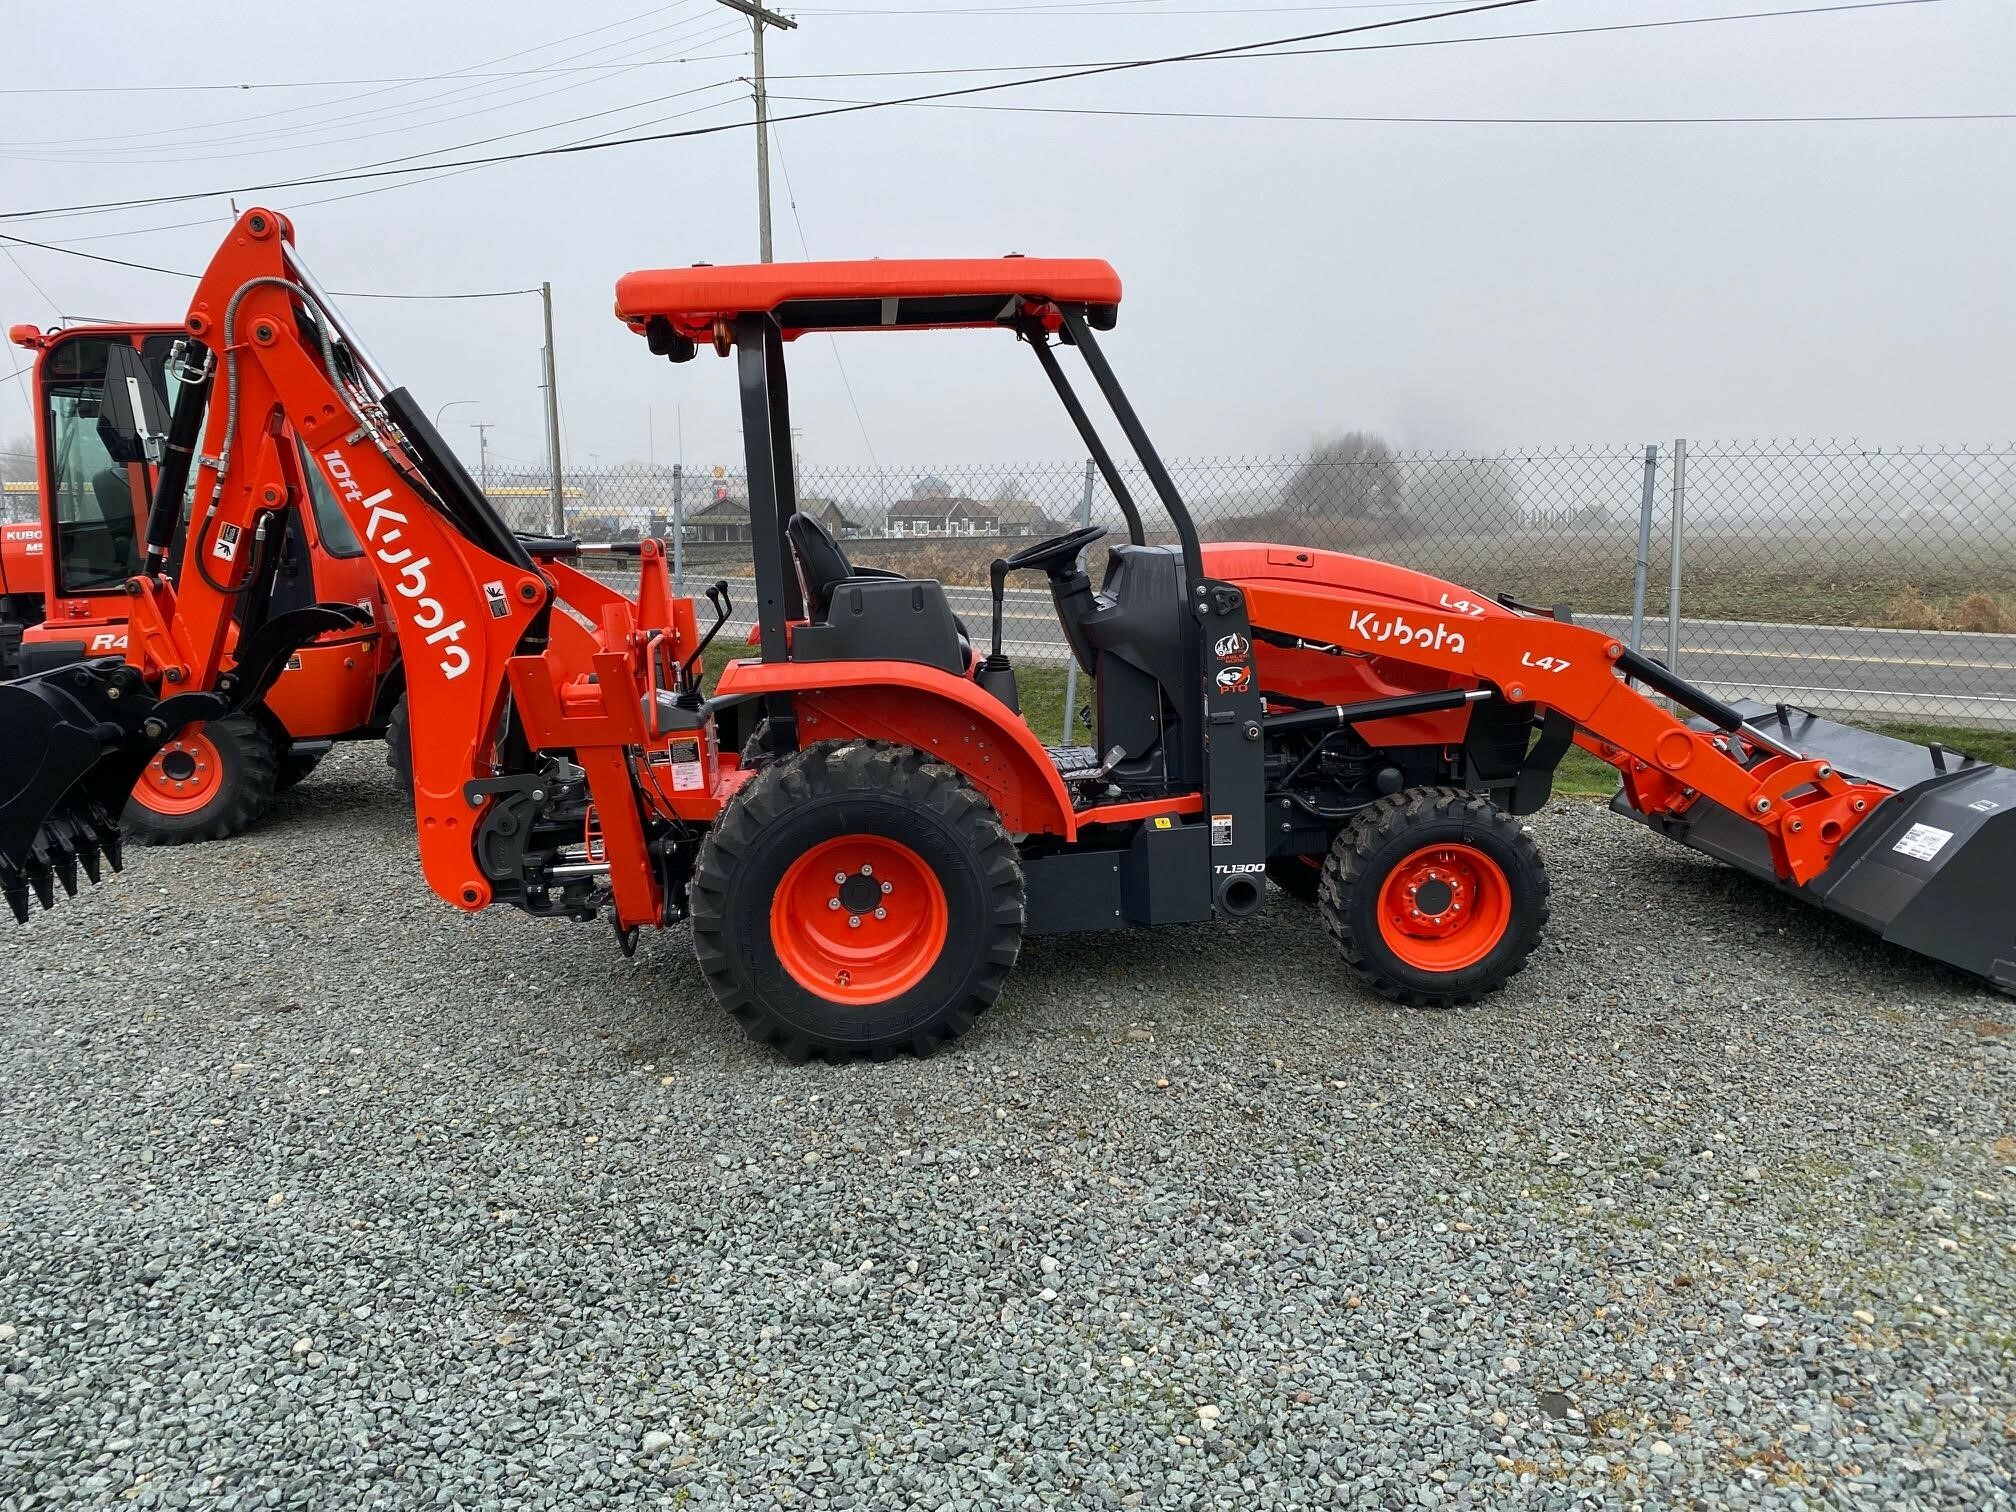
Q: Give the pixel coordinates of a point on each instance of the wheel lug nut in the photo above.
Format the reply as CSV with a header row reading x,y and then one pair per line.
x,y
853,921
838,878
881,913
867,870
834,904
888,887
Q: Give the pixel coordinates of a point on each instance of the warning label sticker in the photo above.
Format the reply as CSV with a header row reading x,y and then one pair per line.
x,y
1221,829
689,774
226,548
1922,842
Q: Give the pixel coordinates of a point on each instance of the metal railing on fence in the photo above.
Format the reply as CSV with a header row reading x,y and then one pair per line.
x,y
1869,582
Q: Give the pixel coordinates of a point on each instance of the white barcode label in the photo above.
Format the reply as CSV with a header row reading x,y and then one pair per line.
x,y
1922,842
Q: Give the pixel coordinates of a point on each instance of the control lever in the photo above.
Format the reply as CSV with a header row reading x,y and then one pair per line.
x,y
995,674
723,608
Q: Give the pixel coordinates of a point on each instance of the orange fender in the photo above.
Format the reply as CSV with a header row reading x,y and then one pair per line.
x,y
948,717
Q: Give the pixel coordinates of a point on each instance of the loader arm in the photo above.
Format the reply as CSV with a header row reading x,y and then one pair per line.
x,y
1804,807
472,613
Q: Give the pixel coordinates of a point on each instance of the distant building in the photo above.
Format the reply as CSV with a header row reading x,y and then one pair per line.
x,y
529,507
726,519
934,509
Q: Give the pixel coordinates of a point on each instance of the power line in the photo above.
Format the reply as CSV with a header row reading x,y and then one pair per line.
x,y
1108,10
1372,47
120,262
791,195
81,149
1428,120
262,120
31,280
1119,67
1201,55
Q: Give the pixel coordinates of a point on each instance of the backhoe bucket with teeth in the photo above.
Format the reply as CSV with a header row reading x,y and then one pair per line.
x,y
72,743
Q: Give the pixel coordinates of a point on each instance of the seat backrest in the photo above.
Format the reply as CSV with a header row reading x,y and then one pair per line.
x,y
821,562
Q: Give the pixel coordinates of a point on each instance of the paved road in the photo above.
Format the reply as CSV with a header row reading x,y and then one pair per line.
x,y
1843,669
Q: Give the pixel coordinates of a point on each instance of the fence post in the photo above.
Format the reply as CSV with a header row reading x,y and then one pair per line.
x,y
1644,549
679,529
1071,661
1673,546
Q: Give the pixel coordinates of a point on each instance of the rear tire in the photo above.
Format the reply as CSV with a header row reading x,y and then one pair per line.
x,y
828,835
1435,896
210,782
399,747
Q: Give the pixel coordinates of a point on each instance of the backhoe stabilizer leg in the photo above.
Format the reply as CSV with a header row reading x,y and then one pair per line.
x,y
77,740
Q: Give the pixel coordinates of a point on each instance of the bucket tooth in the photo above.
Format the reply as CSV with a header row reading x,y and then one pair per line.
x,y
42,880
15,889
111,839
58,854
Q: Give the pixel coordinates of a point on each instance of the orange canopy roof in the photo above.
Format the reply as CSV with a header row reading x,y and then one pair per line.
x,y
867,295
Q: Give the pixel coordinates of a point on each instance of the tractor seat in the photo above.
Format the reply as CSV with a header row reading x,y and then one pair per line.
x,y
878,618
822,565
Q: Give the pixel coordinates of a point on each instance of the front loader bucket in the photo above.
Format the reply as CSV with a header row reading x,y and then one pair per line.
x,y
1930,869
72,743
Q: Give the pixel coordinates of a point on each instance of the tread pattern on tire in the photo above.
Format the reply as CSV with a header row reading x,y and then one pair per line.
x,y
1296,877
295,770
399,746
1351,858
247,793
857,766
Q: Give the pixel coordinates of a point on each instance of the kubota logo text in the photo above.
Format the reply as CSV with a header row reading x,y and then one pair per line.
x,y
381,529
1379,630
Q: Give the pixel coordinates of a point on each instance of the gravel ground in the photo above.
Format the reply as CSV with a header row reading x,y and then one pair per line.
x,y
316,1193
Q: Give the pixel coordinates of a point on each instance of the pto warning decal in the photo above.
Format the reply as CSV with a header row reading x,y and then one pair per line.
x,y
1922,842
1221,829
1236,679
226,549
494,594
688,775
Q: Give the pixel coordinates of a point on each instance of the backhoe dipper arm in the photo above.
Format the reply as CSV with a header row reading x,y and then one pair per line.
x,y
461,611
1805,807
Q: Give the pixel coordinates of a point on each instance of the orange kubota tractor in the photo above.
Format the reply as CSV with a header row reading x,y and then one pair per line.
x,y
103,392
855,820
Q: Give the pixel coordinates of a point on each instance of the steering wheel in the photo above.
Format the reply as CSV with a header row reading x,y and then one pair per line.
x,y
1056,553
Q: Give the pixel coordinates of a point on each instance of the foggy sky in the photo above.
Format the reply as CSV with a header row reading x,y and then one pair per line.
x,y
1446,285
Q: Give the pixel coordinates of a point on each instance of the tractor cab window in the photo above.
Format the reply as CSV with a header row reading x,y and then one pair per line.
x,y
96,501
332,526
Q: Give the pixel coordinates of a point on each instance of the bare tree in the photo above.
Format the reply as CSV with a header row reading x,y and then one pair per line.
x,y
1352,476
1463,494
17,460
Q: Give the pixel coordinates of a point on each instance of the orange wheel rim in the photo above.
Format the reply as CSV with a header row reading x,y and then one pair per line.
x,y
184,775
1445,907
859,919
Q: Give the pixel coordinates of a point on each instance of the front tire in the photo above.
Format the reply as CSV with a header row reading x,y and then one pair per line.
x,y
210,782
854,900
1435,896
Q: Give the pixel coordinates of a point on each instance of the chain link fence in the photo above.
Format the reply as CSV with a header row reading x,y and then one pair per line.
x,y
1870,583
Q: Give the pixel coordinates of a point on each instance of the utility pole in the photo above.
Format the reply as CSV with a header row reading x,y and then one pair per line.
x,y
482,429
760,18
559,521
